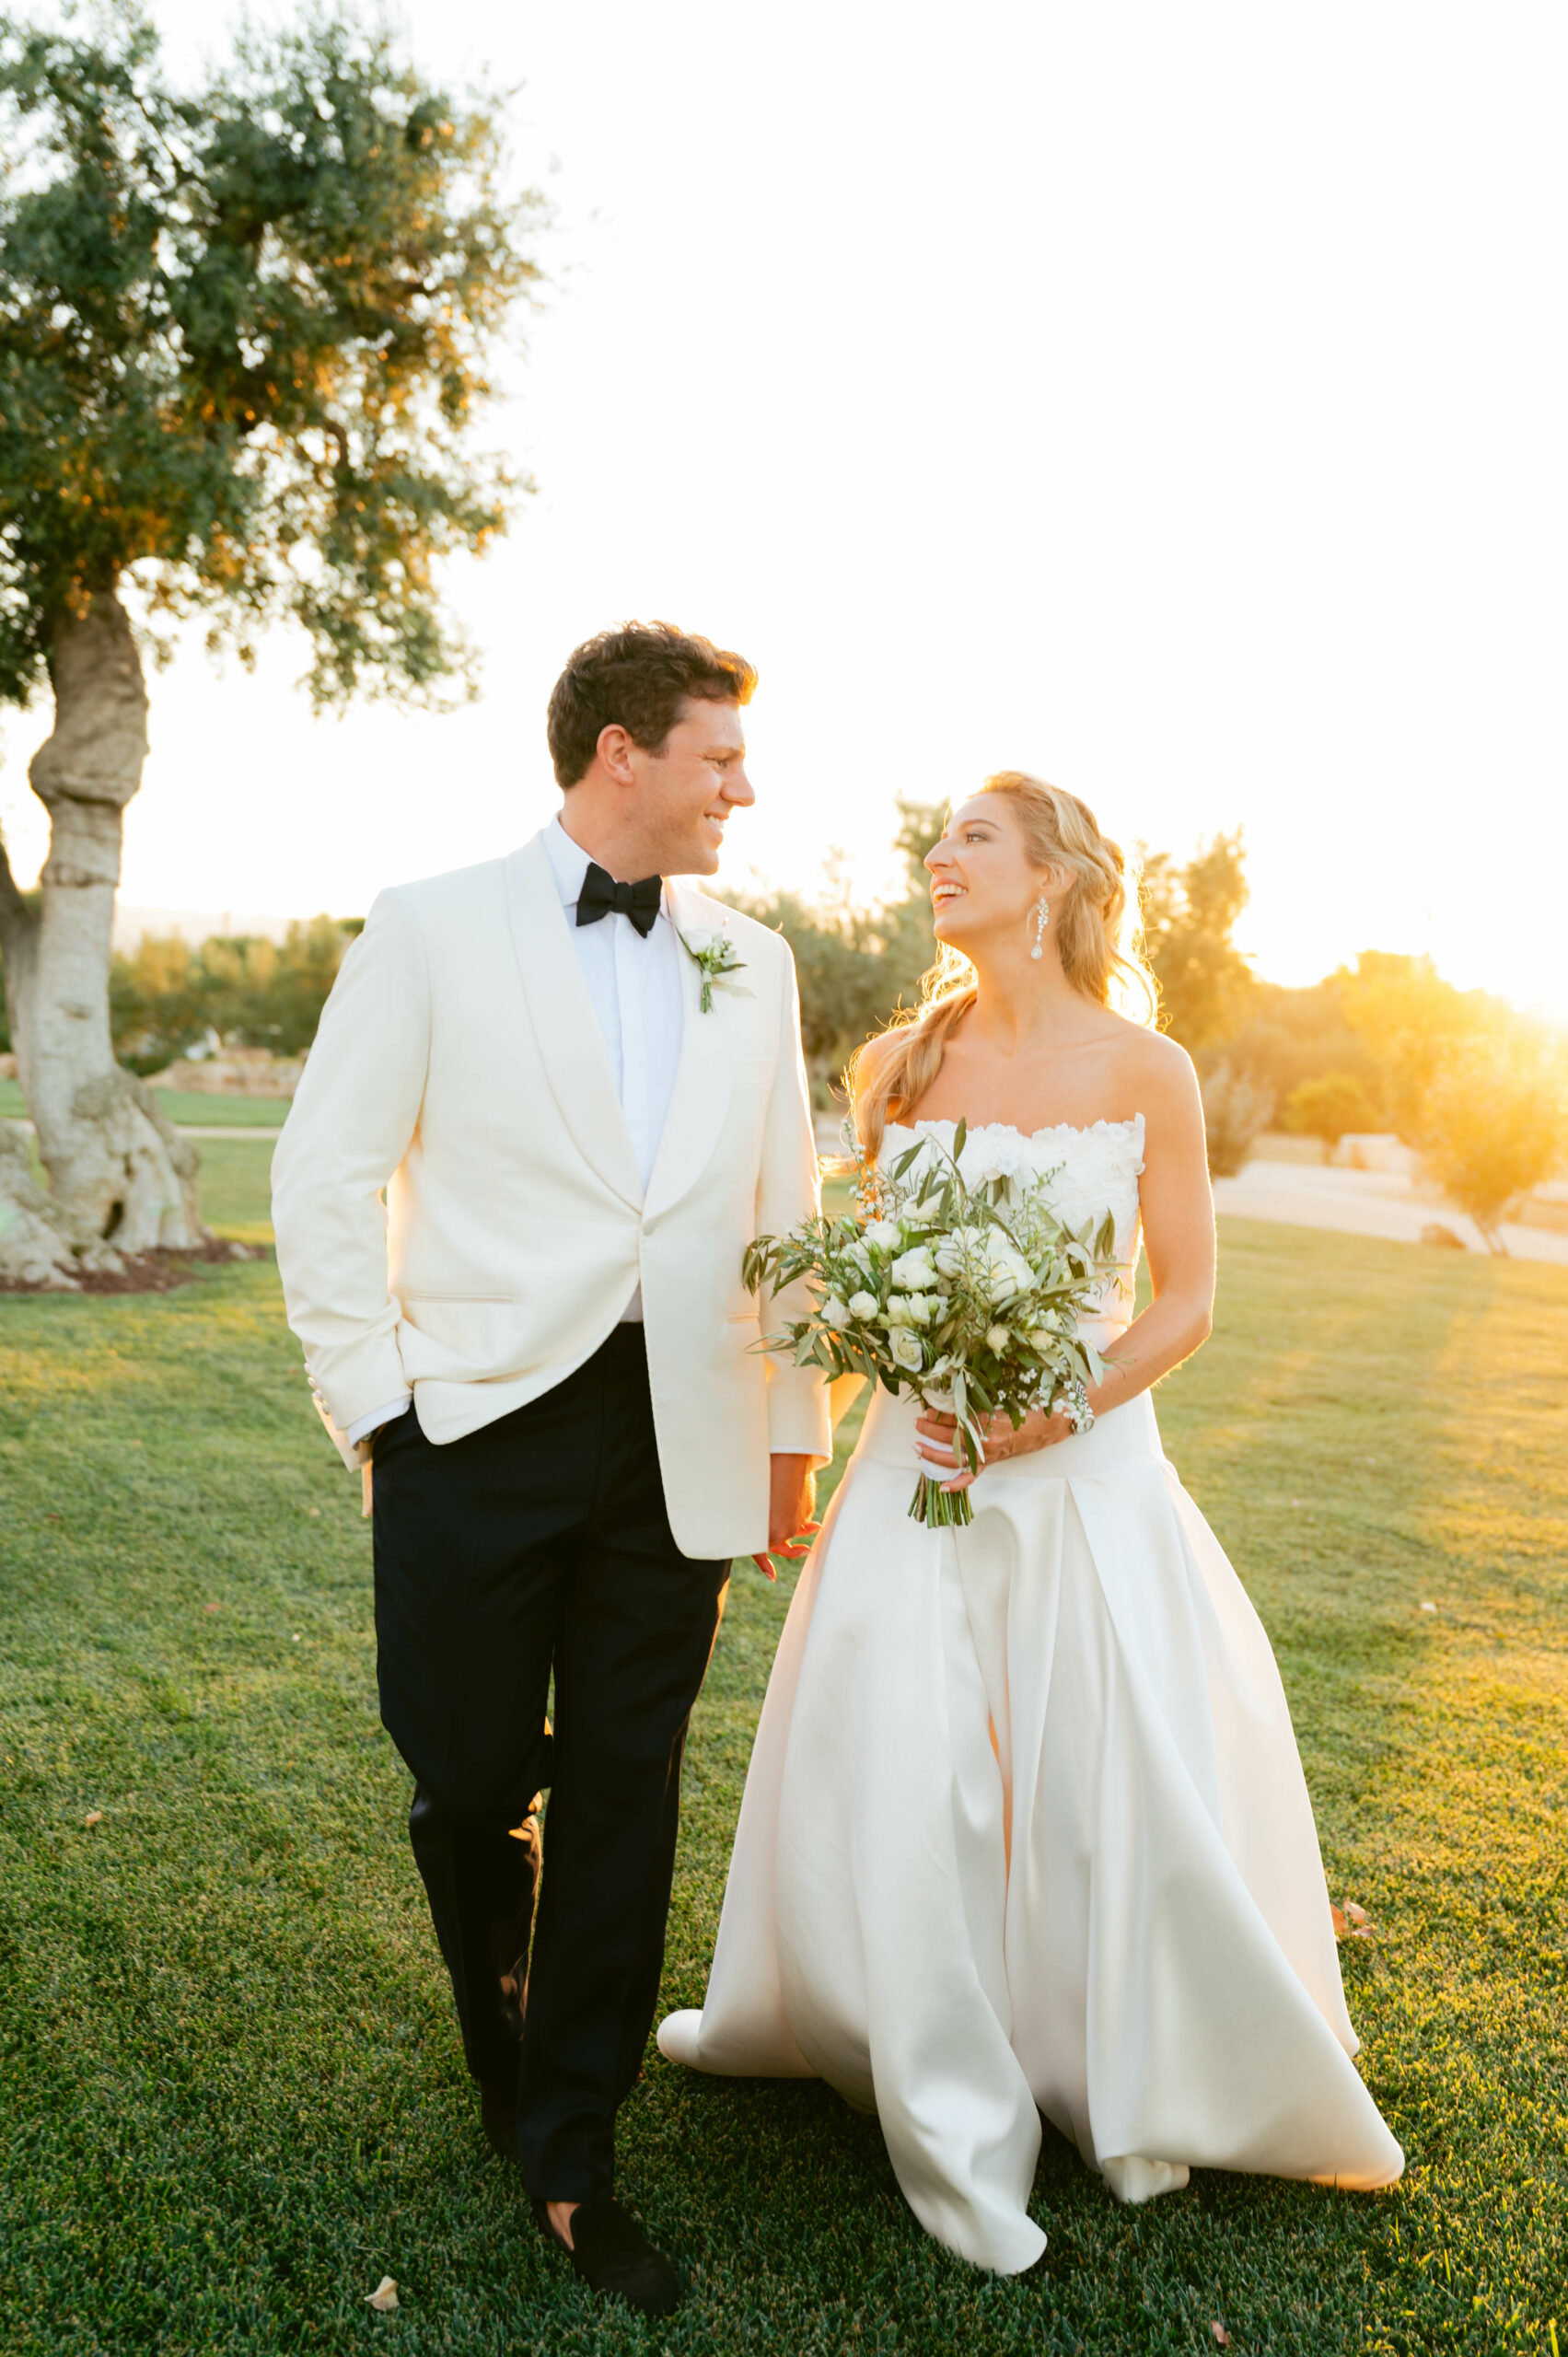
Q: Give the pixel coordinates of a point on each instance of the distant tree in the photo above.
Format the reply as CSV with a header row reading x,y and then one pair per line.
x,y
157,1009
166,998
241,348
1495,1123
1290,1036
1328,1108
839,965
304,966
919,833
908,940
1411,1023
1190,915
855,964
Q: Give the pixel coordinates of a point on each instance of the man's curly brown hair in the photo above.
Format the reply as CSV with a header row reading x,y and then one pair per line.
x,y
636,677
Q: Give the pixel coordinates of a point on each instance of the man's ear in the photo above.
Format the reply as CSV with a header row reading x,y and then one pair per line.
x,y
615,749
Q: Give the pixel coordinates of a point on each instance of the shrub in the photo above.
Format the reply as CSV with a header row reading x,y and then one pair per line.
x,y
1328,1107
1235,1110
1494,1125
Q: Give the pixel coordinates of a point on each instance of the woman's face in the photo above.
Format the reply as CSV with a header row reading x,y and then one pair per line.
x,y
982,883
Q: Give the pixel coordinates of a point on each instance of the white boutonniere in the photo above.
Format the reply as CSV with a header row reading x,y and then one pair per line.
x,y
712,951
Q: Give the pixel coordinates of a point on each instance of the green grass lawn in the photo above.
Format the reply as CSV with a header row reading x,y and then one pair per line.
x,y
236,1187
185,1105
231,2094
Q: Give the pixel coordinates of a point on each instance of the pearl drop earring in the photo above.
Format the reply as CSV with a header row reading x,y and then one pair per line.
x,y
1042,918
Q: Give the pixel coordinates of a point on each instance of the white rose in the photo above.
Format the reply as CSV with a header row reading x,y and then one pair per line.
x,y
997,1338
938,1396
883,1235
961,1245
1009,1273
915,1272
860,1256
833,1312
925,1214
702,938
862,1306
906,1349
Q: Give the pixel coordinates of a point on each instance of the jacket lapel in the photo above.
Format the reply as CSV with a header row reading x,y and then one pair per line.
x,y
570,1046
700,1097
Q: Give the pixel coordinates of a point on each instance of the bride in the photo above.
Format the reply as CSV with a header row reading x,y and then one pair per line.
x,y
1024,1829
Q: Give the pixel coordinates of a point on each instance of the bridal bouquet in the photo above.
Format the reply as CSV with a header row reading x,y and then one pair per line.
x,y
967,1296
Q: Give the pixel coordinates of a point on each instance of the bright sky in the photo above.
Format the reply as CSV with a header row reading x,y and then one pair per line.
x,y
1168,402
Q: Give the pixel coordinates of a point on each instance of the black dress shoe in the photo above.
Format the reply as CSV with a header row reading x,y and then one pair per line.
x,y
500,2117
512,1985
610,2252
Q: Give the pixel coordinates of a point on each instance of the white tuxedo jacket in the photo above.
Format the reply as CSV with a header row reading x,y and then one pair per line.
x,y
460,1067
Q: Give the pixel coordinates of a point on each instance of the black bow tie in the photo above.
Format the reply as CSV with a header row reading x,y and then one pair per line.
x,y
602,895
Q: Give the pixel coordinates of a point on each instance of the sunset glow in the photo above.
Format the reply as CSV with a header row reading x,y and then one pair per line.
x,y
1165,403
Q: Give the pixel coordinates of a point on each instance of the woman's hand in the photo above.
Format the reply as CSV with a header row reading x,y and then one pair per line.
x,y
939,1444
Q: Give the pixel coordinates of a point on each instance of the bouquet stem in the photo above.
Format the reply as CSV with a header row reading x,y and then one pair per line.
x,y
940,1509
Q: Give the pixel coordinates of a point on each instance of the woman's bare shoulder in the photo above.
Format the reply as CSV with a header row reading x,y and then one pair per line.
x,y
1155,1067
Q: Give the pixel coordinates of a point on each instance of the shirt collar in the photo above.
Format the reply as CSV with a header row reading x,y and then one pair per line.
x,y
570,863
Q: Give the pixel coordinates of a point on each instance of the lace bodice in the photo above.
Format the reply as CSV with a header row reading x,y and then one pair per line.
x,y
1087,1172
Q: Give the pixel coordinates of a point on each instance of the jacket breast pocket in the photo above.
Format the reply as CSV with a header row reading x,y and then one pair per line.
x,y
418,1292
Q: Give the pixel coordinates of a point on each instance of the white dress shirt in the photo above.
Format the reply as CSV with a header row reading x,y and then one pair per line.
x,y
634,985
636,988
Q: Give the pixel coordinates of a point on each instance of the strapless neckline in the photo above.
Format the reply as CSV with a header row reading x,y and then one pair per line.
x,y
1029,1137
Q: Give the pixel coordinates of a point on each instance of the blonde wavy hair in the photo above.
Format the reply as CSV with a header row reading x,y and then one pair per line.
x,y
1095,924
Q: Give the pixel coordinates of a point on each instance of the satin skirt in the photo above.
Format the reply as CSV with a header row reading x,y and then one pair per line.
x,y
1026,1832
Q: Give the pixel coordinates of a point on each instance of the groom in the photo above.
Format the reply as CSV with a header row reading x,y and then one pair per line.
x,y
542,1344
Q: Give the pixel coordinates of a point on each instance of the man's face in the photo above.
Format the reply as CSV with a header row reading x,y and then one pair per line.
x,y
687,792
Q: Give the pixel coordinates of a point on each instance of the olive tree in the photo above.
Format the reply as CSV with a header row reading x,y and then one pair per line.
x,y
243,336
1494,1125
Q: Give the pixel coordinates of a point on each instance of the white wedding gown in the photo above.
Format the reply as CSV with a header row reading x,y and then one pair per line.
x,y
1025,1830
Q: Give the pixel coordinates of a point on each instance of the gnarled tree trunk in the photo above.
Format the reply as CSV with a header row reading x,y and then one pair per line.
x,y
121,1177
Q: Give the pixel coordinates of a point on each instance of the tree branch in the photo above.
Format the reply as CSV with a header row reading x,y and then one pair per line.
x,y
17,920
182,173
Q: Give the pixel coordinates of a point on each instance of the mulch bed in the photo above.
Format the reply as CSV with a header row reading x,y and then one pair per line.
x,y
147,1271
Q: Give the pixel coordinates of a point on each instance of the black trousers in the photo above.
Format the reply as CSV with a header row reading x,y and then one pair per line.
x,y
538,1544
